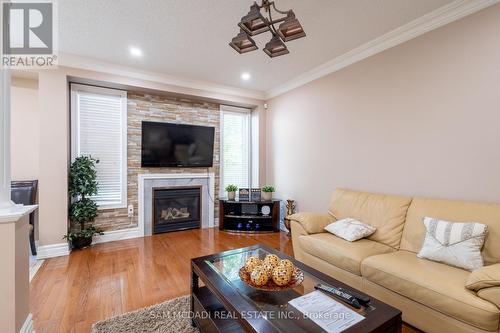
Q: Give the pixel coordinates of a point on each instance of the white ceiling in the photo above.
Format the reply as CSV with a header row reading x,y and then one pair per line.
x,y
189,38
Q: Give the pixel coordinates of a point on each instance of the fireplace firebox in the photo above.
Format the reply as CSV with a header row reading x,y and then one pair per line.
x,y
176,208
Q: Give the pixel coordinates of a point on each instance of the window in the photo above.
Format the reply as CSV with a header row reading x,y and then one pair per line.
x,y
99,129
235,147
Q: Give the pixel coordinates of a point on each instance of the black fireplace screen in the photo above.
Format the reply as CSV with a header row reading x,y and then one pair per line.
x,y
176,209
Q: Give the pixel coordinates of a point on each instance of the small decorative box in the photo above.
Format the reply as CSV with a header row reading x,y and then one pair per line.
x,y
256,194
244,194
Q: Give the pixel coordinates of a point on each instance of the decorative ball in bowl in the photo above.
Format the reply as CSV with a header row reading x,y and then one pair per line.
x,y
271,274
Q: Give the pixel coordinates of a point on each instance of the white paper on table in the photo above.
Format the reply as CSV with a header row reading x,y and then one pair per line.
x,y
326,312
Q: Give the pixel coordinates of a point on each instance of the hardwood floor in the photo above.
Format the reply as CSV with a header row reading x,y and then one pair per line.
x,y
70,293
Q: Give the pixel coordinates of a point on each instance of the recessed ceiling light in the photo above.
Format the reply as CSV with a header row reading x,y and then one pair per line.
x,y
136,52
245,76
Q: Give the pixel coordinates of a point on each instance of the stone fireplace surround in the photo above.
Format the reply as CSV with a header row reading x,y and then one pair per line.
x,y
147,182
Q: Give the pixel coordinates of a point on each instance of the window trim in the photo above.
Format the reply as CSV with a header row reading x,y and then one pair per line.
x,y
234,109
75,137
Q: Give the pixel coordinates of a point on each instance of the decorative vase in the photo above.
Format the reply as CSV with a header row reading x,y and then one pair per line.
x,y
290,207
231,195
290,210
267,196
81,242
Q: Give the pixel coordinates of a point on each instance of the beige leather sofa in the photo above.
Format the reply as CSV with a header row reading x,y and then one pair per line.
x,y
431,295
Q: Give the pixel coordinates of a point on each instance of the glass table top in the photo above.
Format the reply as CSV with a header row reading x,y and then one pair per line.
x,y
274,305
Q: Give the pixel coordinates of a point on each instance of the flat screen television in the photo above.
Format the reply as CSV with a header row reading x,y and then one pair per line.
x,y
176,145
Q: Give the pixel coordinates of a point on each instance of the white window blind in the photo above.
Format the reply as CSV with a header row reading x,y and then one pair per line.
x,y
235,147
99,129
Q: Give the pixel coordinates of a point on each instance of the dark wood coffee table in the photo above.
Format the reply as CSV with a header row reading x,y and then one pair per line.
x,y
223,303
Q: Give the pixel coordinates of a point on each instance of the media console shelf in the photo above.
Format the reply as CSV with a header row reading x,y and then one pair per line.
x,y
249,216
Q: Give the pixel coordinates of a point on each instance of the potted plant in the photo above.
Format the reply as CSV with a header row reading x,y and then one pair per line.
x,y
231,191
82,210
267,193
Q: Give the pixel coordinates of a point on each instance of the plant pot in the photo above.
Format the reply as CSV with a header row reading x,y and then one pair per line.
x,y
231,195
267,196
81,242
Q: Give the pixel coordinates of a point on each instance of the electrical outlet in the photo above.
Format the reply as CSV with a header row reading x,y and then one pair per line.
x,y
130,210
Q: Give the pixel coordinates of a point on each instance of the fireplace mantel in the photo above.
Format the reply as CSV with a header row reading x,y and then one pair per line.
x,y
146,183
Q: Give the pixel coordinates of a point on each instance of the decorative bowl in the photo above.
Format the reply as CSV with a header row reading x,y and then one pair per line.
x,y
296,280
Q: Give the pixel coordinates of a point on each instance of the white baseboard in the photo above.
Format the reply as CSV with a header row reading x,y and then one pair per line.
x,y
62,249
34,268
53,250
116,235
28,325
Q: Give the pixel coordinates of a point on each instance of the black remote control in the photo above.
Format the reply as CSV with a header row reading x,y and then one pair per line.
x,y
342,295
361,298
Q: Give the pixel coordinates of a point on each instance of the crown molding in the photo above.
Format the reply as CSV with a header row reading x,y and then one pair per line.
x,y
79,62
431,21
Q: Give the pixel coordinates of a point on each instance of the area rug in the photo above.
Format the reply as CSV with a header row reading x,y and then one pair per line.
x,y
168,317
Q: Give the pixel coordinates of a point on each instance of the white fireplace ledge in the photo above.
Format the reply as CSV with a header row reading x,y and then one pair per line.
x,y
15,212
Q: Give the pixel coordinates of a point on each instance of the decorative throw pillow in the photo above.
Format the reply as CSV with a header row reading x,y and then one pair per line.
x,y
455,244
350,229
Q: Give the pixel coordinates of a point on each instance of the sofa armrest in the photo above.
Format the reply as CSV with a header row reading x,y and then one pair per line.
x,y
483,278
491,294
313,223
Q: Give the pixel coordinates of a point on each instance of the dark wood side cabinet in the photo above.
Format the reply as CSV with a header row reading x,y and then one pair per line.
x,y
249,216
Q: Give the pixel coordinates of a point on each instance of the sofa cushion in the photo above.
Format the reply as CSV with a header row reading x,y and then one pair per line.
x,y
438,286
387,213
341,253
350,229
457,211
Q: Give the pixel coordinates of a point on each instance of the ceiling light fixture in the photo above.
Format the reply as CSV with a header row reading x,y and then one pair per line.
x,y
255,23
136,52
291,29
245,76
276,48
242,43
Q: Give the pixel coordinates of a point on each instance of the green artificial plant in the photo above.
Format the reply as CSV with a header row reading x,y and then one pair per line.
x,y
82,210
268,189
231,188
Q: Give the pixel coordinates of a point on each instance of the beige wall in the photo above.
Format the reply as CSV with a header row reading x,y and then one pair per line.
x,y
54,154
54,138
420,119
24,129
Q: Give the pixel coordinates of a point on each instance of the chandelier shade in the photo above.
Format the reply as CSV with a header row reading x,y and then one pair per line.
x,y
254,22
276,48
243,43
291,29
